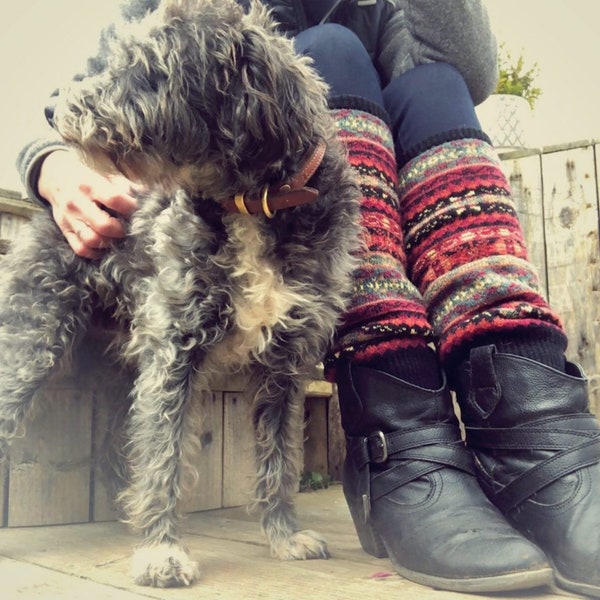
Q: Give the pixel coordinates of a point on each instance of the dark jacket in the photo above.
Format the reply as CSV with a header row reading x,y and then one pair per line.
x,y
401,34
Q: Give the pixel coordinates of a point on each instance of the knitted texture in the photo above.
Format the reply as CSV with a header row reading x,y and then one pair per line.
x,y
386,312
465,250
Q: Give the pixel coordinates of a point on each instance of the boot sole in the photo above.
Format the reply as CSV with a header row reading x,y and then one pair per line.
x,y
584,589
497,583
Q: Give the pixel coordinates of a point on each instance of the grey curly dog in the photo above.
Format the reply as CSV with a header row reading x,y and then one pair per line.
x,y
238,258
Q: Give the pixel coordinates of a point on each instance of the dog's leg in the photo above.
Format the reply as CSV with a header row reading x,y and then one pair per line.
x,y
278,423
42,313
162,393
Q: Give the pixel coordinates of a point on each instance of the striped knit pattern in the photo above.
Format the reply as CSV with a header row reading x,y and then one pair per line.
x,y
465,248
386,312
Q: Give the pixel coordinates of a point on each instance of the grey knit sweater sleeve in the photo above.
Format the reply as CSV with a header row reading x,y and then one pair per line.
x,y
453,31
30,159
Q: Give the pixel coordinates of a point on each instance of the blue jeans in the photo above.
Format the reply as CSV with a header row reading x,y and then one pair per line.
x,y
423,103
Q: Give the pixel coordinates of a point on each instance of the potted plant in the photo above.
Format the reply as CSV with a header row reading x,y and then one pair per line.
x,y
506,115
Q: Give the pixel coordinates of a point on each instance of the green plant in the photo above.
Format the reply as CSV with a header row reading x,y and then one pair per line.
x,y
312,480
517,79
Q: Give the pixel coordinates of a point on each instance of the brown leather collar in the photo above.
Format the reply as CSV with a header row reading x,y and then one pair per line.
x,y
289,194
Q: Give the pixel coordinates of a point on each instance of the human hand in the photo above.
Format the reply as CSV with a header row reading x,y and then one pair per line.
x,y
88,207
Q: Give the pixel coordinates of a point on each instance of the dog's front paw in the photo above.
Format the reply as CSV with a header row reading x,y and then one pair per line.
x,y
163,565
302,545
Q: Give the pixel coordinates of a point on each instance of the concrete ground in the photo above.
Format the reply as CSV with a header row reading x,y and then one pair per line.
x,y
91,561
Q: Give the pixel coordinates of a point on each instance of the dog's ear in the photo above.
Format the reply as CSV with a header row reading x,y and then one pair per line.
x,y
274,97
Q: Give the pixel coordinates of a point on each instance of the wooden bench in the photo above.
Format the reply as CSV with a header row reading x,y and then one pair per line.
x,y
65,467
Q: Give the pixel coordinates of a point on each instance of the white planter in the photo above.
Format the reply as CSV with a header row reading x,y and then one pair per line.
x,y
507,120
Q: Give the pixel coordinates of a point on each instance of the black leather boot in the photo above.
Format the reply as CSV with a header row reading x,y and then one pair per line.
x,y
410,485
537,450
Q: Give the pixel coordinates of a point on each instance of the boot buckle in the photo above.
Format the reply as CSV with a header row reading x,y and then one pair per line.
x,y
377,447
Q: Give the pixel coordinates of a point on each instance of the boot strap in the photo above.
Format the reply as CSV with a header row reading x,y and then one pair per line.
x,y
422,451
418,464
378,446
575,439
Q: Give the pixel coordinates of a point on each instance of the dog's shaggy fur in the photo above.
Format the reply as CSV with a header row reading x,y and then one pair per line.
x,y
198,101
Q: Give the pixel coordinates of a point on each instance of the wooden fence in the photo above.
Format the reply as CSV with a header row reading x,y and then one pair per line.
x,y
57,472
557,195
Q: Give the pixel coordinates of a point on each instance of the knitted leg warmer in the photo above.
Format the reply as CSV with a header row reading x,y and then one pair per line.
x,y
466,254
386,316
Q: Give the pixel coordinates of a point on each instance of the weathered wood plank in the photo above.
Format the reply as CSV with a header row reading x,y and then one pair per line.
x,y
571,226
207,427
15,204
49,473
238,450
11,226
336,438
315,435
570,145
202,493
31,582
3,493
525,178
318,388
9,195
111,385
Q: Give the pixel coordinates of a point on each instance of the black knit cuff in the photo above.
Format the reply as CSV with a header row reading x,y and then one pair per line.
x,y
402,157
29,163
359,103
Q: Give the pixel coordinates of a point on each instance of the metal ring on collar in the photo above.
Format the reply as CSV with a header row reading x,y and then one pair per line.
x,y
265,203
240,204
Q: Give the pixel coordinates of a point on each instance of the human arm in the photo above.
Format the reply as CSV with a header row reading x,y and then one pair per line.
x,y
415,32
88,207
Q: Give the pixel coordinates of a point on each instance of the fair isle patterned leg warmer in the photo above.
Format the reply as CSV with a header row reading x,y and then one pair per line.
x,y
386,325
466,254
